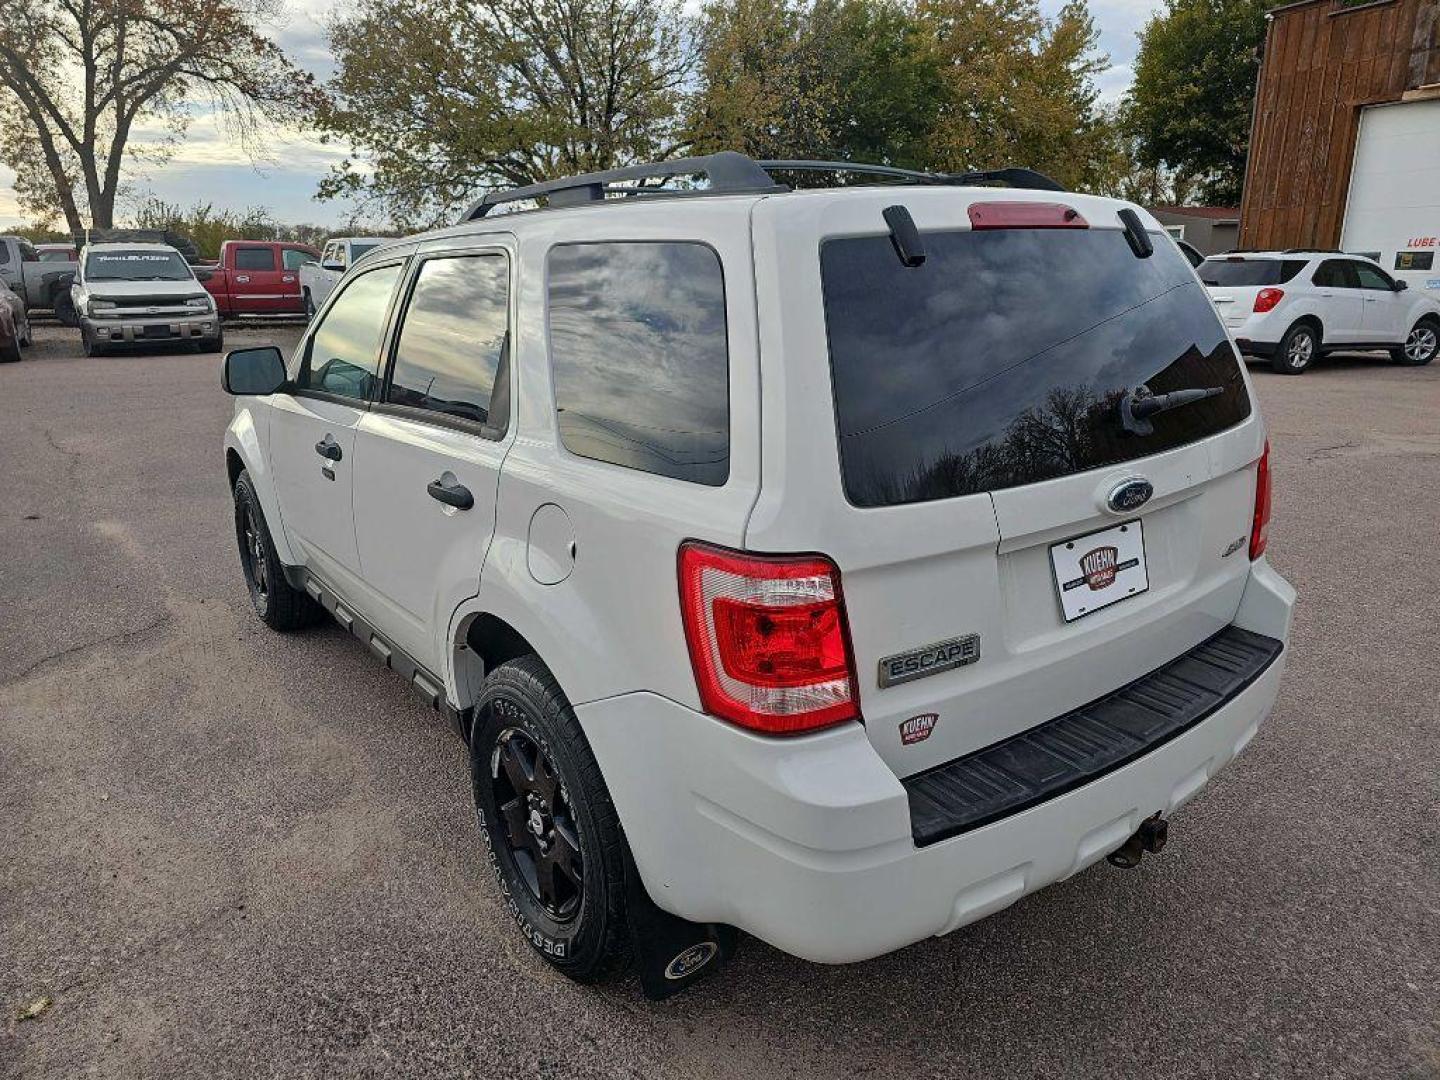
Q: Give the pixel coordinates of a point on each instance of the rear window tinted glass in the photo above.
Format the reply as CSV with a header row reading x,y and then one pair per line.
x,y
255,259
452,342
1002,359
640,357
1242,272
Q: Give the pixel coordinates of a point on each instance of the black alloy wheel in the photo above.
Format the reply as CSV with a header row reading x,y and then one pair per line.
x,y
252,552
540,829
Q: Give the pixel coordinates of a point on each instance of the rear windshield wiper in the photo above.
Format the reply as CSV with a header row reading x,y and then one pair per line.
x,y
1138,405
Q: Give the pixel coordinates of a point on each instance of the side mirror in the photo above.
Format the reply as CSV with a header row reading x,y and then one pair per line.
x,y
253,371
1401,286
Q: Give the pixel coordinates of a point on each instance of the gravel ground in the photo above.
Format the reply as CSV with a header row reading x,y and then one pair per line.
x,y
232,854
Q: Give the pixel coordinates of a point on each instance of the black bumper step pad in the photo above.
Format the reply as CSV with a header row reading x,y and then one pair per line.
x,y
1080,746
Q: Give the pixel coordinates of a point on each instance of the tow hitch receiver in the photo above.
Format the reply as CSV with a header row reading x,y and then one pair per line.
x,y
1151,837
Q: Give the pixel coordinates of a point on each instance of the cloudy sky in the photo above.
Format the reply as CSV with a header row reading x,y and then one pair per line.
x,y
211,167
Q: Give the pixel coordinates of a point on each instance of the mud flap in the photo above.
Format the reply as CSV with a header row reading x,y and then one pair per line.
x,y
671,952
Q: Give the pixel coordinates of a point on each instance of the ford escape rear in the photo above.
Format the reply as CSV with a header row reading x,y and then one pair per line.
x,y
839,565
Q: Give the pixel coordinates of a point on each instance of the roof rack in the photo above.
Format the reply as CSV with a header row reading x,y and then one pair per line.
x,y
729,173
1312,251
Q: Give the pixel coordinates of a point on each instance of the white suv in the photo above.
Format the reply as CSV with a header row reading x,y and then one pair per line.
x,y
839,565
1291,306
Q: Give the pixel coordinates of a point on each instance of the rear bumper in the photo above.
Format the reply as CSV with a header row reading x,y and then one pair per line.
x,y
808,843
130,330
1257,348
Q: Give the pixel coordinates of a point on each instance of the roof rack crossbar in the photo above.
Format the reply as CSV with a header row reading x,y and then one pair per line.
x,y
730,173
727,171
1020,178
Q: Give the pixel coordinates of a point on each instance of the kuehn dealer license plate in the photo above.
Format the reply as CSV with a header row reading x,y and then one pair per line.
x,y
1103,568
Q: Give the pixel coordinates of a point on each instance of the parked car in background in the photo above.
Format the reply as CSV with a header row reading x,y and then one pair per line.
x,y
14,325
40,284
777,575
317,279
1290,307
1191,252
257,277
66,253
127,293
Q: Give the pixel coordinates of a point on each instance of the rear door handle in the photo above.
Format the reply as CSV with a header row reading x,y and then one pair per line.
x,y
329,448
456,495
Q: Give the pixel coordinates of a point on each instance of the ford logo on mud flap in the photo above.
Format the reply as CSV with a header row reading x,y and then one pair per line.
x,y
1130,495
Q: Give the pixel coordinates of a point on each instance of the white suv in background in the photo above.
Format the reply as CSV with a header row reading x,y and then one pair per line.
x,y
839,565
1291,306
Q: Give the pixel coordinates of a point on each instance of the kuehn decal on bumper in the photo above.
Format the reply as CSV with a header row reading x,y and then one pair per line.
x,y
917,728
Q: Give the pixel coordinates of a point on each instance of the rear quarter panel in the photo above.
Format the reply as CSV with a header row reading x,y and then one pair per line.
x,y
613,625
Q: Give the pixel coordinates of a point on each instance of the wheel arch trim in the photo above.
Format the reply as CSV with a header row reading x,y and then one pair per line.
x,y
244,449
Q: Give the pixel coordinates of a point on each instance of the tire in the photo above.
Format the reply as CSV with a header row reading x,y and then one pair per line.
x,y
1421,344
90,345
309,307
539,797
10,352
215,344
279,605
64,308
1297,350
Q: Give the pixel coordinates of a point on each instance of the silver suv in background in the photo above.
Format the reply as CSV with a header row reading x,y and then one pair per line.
x,y
127,293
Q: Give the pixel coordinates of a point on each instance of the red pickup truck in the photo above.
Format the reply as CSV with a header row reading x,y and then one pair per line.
x,y
257,277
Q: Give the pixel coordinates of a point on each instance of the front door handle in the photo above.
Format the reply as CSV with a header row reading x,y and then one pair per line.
x,y
456,495
329,448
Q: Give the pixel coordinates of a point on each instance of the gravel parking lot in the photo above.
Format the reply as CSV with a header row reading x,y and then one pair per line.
x,y
228,853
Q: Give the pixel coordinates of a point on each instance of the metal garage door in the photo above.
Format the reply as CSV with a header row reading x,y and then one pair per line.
x,y
1394,204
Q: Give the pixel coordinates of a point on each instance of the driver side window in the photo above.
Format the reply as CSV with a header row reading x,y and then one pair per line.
x,y
343,354
1372,278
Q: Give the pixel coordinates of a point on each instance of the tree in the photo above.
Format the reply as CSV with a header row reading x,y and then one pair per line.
x,y
1189,108
934,84
839,79
78,76
1019,89
445,97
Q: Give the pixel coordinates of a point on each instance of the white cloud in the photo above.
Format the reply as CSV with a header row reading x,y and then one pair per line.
x,y
10,215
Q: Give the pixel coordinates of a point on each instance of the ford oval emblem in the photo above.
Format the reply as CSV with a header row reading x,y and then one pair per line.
x,y
1130,495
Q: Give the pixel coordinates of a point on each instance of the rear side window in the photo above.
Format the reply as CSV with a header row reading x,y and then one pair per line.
x,y
1003,358
1335,274
255,258
451,352
1238,273
640,357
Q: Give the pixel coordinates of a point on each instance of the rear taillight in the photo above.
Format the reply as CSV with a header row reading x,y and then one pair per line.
x,y
767,638
1260,529
1266,299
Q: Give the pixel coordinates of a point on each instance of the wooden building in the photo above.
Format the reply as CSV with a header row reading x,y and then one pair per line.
x,y
1326,63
